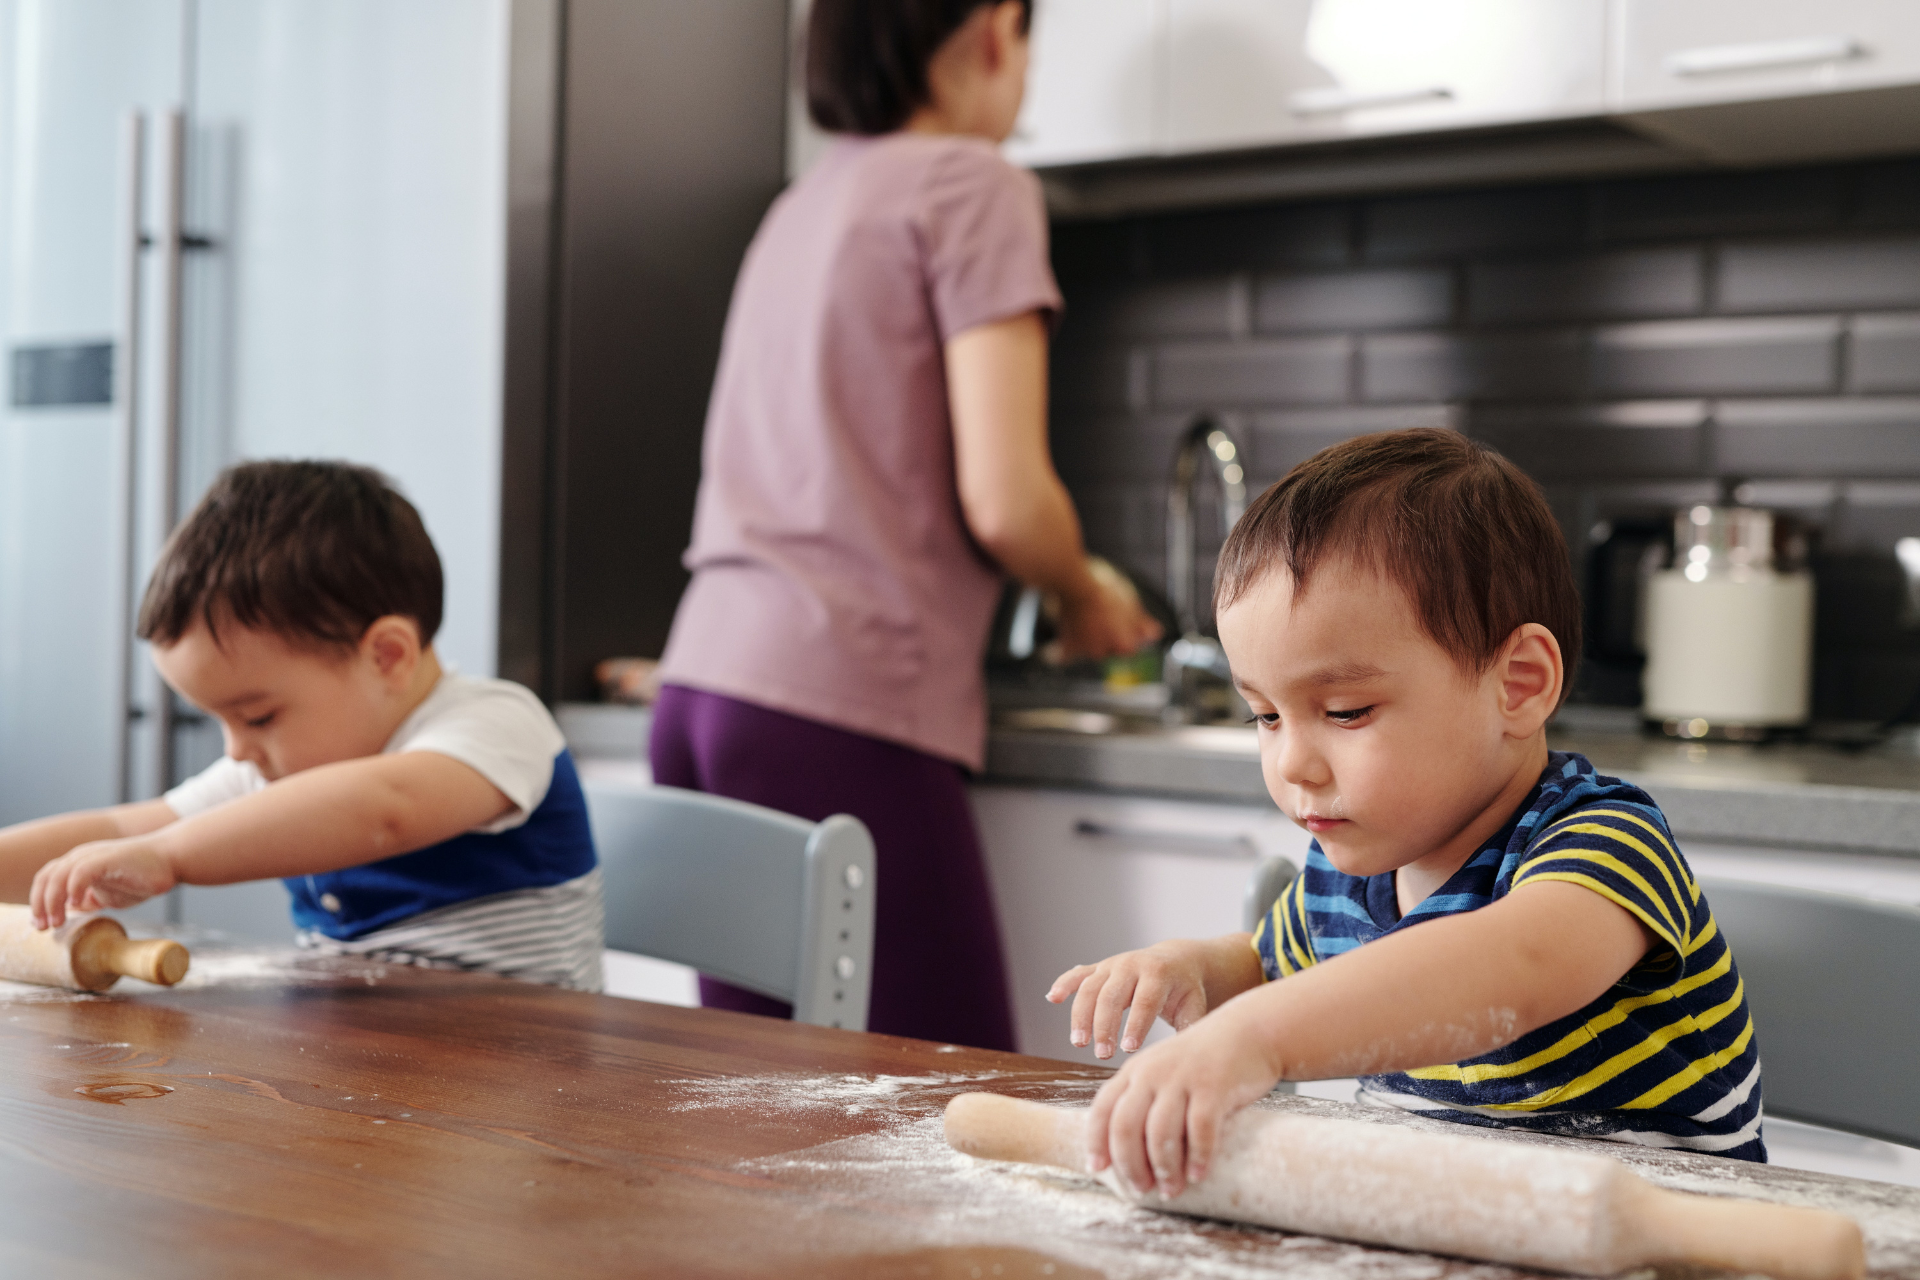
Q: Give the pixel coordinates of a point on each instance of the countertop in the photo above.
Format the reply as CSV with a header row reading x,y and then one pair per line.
x,y
1778,795
278,1115
1775,795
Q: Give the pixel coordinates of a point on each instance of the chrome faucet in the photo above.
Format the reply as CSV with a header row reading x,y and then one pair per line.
x,y
1193,651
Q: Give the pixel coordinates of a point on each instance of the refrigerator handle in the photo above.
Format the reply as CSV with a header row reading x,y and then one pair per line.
x,y
170,240
126,398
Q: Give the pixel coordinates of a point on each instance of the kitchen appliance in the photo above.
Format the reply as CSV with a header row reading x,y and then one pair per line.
x,y
1729,628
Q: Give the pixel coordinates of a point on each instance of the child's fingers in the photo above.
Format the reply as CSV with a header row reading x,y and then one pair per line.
x,y
50,895
1149,998
1098,1118
1080,1021
1115,995
1204,1114
1127,1138
1166,1138
1067,983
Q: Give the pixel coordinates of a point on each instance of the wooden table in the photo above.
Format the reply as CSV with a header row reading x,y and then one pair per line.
x,y
287,1118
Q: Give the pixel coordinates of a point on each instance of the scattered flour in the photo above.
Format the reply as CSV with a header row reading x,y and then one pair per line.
x,y
911,1191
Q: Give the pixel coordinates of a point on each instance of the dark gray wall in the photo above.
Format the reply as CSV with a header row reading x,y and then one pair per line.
x,y
670,123
1632,344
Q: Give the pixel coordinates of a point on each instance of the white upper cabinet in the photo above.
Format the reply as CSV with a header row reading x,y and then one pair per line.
x,y
1244,73
1682,52
1094,88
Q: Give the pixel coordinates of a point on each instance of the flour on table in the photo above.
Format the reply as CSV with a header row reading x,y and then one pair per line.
x,y
912,1192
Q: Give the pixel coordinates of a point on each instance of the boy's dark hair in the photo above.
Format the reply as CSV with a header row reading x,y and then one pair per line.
x,y
312,551
867,59
1460,529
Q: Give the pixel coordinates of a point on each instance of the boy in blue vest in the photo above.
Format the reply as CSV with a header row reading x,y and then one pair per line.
x,y
1486,930
416,815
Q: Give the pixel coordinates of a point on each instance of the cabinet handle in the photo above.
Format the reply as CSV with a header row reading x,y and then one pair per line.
x,y
1201,843
1334,102
1761,56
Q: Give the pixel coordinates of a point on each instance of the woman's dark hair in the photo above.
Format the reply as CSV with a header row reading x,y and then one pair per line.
x,y
314,552
867,59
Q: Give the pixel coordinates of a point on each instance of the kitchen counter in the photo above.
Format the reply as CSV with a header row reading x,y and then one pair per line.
x,y
1775,795
1781,795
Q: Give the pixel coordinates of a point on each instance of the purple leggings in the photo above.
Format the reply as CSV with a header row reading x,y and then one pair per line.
x,y
937,968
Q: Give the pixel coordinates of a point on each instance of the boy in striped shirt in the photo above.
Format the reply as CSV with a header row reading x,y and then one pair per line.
x,y
417,815
1486,931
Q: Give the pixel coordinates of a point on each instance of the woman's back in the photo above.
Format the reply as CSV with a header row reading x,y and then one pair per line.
x,y
834,577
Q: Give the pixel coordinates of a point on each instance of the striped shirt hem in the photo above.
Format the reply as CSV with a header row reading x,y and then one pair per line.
x,y
555,935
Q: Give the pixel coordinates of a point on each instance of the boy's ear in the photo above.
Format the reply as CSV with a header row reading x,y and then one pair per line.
x,y
392,644
1531,676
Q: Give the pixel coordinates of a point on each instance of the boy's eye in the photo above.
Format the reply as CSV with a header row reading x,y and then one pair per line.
x,y
261,722
1265,719
1350,717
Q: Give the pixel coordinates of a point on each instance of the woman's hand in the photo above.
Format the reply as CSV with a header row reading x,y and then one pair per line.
x,y
1157,1120
95,876
1106,619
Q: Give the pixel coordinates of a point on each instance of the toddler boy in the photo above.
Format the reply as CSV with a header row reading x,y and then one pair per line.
x,y
416,815
1486,931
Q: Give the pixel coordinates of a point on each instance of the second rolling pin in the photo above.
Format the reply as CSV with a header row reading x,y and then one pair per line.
x,y
88,953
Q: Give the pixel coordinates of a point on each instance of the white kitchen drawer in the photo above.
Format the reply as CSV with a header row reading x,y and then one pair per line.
x,y
1094,87
1680,52
1246,73
1079,876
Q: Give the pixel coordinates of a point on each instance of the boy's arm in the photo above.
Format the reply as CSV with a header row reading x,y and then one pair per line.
x,y
322,819
1450,989
28,846
1178,981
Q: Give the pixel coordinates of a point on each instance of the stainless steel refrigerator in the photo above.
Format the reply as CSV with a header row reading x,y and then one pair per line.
x,y
484,245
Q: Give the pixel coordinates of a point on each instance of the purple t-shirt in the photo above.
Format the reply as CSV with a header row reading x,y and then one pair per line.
x,y
833,575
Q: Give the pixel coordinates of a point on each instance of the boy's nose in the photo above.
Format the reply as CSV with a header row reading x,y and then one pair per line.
x,y
240,747
1298,763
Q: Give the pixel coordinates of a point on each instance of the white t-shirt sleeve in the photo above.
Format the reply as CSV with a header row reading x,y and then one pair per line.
x,y
223,780
496,728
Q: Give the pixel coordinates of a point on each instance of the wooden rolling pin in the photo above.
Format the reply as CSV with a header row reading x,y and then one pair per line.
x,y
1468,1196
88,953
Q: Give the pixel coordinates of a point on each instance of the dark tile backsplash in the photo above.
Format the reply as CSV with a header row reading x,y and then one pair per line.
x,y
1635,345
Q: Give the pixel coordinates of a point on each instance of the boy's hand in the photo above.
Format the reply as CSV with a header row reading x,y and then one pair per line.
x,y
105,873
1167,980
1157,1120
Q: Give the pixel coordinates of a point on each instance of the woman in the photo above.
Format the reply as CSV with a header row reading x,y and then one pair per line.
x,y
875,459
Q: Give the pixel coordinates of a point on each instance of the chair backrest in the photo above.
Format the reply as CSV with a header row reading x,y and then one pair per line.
x,y
759,898
1834,986
1270,876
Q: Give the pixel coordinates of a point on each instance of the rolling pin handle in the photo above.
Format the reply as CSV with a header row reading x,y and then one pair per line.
x,y
1781,1241
156,960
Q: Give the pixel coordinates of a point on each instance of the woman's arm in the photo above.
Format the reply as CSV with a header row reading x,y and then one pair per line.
x,y
28,846
322,819
1015,506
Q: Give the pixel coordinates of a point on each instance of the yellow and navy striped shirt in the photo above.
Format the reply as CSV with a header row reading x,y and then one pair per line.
x,y
1665,1058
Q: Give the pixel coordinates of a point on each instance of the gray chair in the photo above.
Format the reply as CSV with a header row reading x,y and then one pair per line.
x,y
1270,876
758,898
1834,986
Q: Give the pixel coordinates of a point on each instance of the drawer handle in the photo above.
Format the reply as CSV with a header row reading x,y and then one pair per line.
x,y
1335,102
1759,57
1202,843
